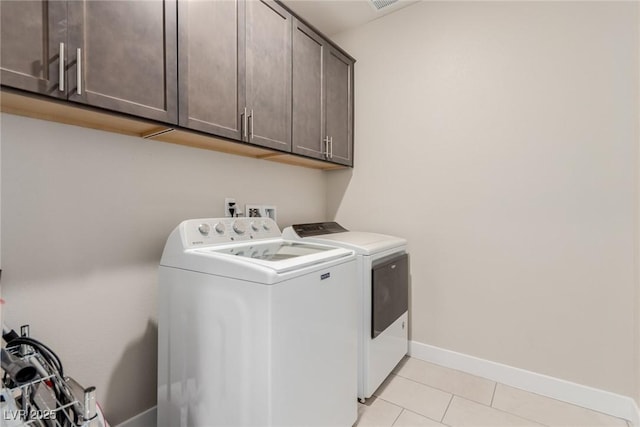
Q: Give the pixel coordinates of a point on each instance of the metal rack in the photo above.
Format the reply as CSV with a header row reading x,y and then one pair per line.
x,y
34,393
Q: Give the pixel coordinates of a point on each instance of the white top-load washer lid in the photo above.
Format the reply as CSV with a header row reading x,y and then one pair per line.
x,y
331,233
248,249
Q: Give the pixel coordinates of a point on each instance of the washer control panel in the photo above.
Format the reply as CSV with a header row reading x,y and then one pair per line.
x,y
211,231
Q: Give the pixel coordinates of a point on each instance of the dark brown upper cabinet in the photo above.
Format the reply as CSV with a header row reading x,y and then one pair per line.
x,y
122,57
267,74
235,70
322,98
245,70
33,37
309,136
118,55
339,106
210,53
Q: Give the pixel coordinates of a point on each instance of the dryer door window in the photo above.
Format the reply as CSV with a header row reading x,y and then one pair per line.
x,y
389,291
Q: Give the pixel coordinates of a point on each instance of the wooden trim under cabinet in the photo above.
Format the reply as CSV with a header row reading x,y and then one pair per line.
x,y
39,107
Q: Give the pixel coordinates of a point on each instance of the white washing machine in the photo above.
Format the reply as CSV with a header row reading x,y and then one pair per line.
x,y
255,330
383,281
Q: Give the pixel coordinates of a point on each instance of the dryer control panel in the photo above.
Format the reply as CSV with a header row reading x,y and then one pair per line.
x,y
318,229
211,231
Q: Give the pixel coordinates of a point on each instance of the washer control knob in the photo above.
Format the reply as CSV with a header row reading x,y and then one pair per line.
x,y
239,227
204,229
255,226
219,227
266,226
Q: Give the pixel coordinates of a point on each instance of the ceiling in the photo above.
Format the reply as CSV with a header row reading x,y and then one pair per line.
x,y
335,16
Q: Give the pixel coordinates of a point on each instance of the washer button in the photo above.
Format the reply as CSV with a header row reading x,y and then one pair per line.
x,y
220,228
204,229
239,227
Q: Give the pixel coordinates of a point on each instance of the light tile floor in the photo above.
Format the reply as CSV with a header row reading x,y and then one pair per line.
x,y
419,393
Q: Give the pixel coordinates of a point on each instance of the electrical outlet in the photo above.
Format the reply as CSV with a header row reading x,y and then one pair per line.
x,y
230,207
257,211
270,211
253,211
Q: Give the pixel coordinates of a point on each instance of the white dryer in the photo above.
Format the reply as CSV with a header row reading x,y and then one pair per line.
x,y
255,330
383,281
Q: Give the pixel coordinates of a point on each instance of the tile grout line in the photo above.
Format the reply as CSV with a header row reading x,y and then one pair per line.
x,y
423,416
443,369
449,405
396,420
504,411
440,389
493,396
447,408
425,384
418,382
413,412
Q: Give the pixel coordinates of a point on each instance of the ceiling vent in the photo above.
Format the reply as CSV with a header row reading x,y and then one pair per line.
x,y
381,4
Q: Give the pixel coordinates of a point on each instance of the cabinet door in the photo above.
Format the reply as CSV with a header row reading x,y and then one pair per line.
x,y
339,106
209,47
31,35
123,56
308,100
267,74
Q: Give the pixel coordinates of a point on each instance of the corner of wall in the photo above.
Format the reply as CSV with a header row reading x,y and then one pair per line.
x,y
637,222
337,184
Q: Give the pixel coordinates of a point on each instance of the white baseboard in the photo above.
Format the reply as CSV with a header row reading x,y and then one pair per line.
x,y
635,419
566,391
147,418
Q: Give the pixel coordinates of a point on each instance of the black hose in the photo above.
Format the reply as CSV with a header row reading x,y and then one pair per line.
x,y
45,351
54,361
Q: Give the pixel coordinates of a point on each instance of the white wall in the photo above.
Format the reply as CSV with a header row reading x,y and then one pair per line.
x,y
85,215
501,138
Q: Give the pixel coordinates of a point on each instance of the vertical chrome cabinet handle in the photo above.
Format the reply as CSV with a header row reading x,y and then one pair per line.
x,y
79,71
331,147
325,147
61,69
251,125
243,124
